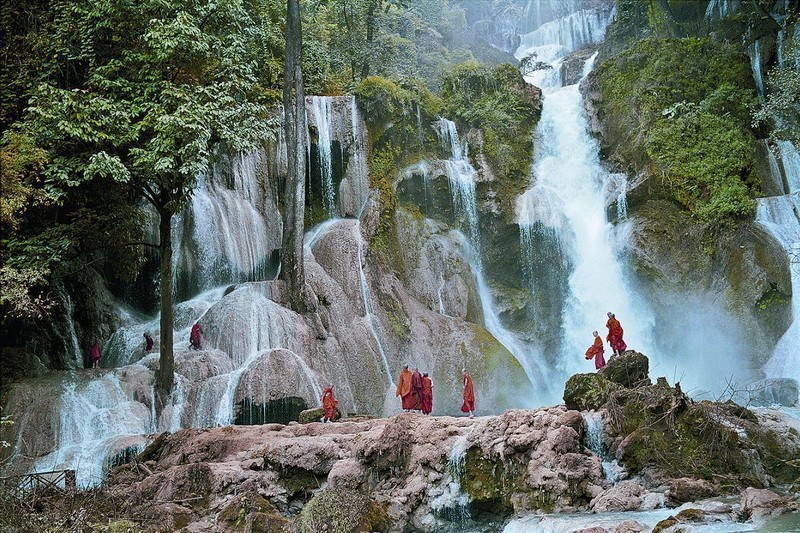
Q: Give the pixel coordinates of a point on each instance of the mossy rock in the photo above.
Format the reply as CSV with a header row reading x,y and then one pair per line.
x,y
628,369
585,392
339,510
488,482
314,415
691,515
664,524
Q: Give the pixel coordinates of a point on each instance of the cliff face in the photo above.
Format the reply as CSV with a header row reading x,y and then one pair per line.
x,y
662,67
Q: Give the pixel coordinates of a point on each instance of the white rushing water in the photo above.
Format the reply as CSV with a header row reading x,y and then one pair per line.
x,y
461,178
568,197
322,112
780,216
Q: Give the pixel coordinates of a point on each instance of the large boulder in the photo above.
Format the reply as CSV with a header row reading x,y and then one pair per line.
x,y
686,489
586,392
629,369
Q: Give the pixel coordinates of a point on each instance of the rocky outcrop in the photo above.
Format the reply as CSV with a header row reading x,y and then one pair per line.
x,y
704,448
405,472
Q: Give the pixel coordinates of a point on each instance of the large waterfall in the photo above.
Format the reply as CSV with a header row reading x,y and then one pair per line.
x,y
566,202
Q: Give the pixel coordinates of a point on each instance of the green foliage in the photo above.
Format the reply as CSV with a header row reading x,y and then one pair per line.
x,y
498,101
679,107
782,105
21,163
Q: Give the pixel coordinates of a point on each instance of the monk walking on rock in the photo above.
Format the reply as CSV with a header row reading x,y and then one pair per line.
x,y
469,394
596,350
329,403
95,354
404,388
195,337
416,390
614,336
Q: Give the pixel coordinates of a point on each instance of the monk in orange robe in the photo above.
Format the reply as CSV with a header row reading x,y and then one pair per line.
x,y
416,390
426,396
404,388
596,350
329,403
614,336
469,395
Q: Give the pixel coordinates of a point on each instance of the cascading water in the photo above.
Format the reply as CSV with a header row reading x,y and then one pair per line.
x,y
322,113
461,177
451,503
567,197
594,441
780,216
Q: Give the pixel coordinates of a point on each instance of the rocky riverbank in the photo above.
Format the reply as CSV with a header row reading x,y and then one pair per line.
x,y
411,472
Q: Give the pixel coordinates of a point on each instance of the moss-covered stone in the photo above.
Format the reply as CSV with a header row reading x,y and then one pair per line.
x,y
489,482
315,414
340,510
664,524
585,392
628,369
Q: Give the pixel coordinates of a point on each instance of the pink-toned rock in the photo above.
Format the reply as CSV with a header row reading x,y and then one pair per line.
x,y
591,530
631,526
686,489
625,496
763,502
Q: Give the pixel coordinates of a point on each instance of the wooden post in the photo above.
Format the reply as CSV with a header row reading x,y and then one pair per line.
x,y
70,480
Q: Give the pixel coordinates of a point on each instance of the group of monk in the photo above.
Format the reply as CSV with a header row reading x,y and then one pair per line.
x,y
614,338
415,391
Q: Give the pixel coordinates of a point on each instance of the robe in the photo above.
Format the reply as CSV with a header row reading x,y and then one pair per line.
x,y
194,337
404,389
614,336
329,403
416,390
469,395
95,355
426,396
148,342
596,350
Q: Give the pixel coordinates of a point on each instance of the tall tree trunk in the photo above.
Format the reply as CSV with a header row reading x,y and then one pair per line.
x,y
165,377
373,4
294,107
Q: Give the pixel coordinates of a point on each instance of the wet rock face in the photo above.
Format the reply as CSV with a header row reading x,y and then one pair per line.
x,y
400,472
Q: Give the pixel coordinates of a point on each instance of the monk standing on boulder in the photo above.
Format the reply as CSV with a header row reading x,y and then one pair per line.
x,y
614,336
426,396
404,388
469,394
329,403
148,343
596,350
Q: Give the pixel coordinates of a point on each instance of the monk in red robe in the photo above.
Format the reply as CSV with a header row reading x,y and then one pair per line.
x,y
426,396
329,403
614,336
416,390
469,395
596,350
148,343
404,388
95,355
194,336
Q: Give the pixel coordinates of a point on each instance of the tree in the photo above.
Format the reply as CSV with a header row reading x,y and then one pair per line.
x,y
294,110
157,88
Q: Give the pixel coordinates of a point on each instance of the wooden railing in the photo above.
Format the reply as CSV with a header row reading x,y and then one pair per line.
x,y
27,484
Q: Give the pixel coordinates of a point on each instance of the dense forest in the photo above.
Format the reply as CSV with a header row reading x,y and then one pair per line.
x,y
109,107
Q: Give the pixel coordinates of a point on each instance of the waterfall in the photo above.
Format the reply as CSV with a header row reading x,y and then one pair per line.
x,y
556,38
450,502
720,9
568,198
594,441
321,106
369,313
74,345
98,418
461,178
780,216
754,51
